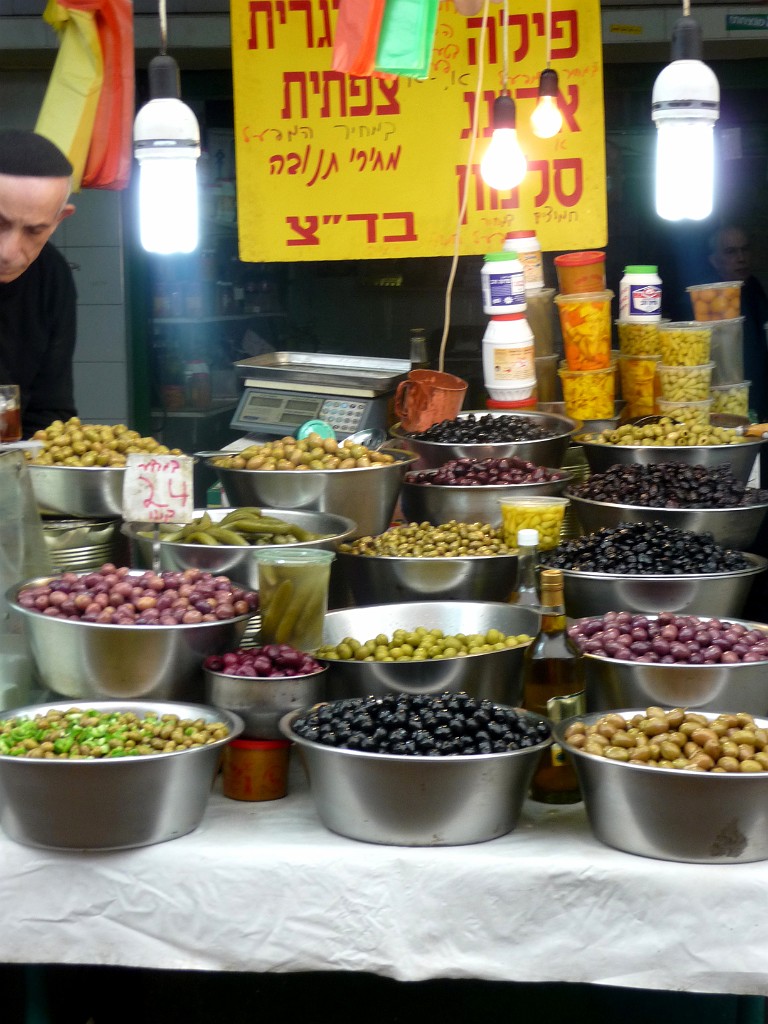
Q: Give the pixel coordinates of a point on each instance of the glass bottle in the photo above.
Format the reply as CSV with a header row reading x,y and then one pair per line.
x,y
419,353
553,685
526,590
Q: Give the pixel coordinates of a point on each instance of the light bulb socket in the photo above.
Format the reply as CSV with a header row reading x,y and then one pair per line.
x,y
548,83
686,39
164,80
504,112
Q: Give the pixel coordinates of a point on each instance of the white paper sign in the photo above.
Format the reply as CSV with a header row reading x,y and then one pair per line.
x,y
158,488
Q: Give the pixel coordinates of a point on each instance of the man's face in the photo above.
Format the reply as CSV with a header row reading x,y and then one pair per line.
x,y
731,256
30,211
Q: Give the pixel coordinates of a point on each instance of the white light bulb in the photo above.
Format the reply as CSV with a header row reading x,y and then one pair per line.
x,y
546,119
504,165
685,169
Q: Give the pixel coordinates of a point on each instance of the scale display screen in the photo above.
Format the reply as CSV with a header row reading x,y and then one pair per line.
x,y
281,412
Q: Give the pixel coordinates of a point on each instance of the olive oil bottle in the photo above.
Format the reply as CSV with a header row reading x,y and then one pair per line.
x,y
553,685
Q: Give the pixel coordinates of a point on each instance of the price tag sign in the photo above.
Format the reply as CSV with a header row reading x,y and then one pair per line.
x,y
158,488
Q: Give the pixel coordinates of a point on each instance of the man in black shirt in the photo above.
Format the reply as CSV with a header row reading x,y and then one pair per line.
x,y
37,292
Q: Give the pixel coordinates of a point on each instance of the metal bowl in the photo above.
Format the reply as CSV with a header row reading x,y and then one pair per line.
x,y
734,527
110,803
97,661
87,491
416,801
442,503
549,451
740,456
239,563
367,495
588,426
741,686
668,814
710,594
381,579
261,702
496,675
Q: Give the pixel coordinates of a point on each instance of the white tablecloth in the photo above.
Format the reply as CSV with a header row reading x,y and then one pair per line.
x,y
265,887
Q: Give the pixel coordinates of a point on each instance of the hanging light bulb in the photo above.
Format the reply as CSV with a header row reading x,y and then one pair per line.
x,y
504,165
546,119
166,139
685,107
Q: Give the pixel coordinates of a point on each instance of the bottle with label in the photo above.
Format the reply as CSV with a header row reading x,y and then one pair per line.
x,y
526,592
419,352
640,294
553,685
528,249
509,364
503,284
197,385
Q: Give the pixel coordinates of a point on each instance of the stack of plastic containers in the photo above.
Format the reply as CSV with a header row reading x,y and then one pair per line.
x,y
509,371
587,373
639,339
685,372
718,306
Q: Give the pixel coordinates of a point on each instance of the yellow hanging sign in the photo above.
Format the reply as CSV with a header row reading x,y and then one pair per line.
x,y
334,167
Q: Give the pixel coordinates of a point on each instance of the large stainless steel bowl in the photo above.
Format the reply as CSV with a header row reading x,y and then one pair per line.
x,y
367,495
381,579
669,814
496,675
741,686
261,702
549,451
710,594
740,456
587,426
239,563
97,661
110,803
416,801
442,503
86,491
735,527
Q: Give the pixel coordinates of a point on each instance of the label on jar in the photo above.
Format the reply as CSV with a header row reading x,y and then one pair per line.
x,y
503,284
640,295
528,250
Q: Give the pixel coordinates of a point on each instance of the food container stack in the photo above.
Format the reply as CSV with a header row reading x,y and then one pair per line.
x,y
719,307
587,374
638,328
509,370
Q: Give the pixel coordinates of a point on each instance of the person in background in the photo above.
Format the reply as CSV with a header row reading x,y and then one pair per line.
x,y
730,256
37,292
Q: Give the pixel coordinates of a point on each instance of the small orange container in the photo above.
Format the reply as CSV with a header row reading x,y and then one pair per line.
x,y
255,769
580,271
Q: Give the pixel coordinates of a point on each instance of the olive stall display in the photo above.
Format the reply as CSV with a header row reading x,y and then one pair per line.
x,y
310,452
423,540
667,432
485,429
74,443
420,644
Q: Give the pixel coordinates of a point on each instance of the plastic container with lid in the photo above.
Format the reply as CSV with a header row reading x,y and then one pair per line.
x,y
585,323
255,769
528,249
640,294
503,284
509,370
581,271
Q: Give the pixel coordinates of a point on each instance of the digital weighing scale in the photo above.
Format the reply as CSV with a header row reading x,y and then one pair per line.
x,y
283,390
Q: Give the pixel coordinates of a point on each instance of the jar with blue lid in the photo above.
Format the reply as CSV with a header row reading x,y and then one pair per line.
x,y
503,284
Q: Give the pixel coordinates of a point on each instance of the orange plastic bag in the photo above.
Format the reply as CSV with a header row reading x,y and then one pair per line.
x,y
358,25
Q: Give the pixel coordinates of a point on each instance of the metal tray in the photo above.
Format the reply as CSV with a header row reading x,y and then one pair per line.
x,y
320,368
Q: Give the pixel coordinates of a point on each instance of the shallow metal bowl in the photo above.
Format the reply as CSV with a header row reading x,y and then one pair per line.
x,y
587,426
442,503
239,563
87,491
741,686
711,594
735,527
416,801
110,803
367,495
261,702
669,814
496,675
549,451
97,661
740,456
381,579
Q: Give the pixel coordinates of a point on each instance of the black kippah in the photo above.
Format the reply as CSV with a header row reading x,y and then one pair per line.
x,y
29,155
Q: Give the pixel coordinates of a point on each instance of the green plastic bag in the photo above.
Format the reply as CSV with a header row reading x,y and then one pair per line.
x,y
407,37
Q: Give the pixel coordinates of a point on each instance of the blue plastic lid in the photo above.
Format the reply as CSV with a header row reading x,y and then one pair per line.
x,y
319,427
